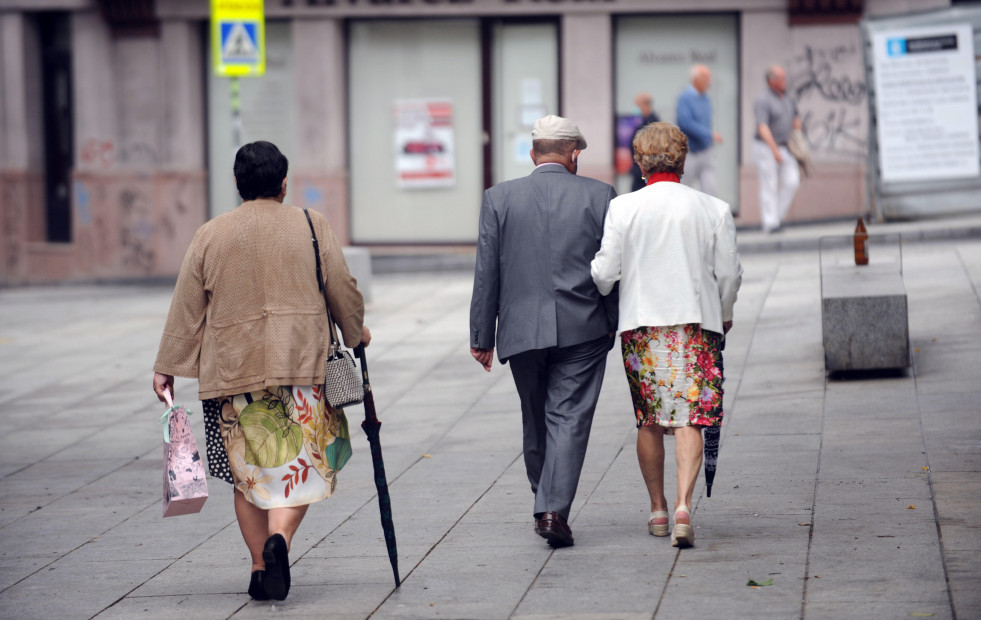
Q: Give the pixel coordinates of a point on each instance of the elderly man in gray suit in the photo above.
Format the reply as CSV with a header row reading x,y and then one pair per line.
x,y
532,283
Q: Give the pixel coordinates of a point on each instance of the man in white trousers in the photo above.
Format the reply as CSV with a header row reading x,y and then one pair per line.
x,y
776,117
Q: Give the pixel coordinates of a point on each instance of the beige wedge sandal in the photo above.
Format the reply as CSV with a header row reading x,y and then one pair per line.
x,y
683,534
658,529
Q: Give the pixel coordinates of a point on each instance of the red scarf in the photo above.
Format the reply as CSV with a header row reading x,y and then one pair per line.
x,y
656,177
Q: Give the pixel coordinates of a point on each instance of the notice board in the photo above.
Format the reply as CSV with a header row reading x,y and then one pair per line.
x,y
924,148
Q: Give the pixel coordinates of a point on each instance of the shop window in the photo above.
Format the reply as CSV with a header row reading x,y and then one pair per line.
x,y
416,130
56,97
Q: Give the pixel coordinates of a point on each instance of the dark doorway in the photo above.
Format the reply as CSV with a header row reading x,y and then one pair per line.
x,y
56,89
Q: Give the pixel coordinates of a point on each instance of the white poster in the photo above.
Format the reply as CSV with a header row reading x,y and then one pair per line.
x,y
424,153
926,103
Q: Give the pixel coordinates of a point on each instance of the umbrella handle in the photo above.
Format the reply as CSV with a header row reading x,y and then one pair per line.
x,y
359,353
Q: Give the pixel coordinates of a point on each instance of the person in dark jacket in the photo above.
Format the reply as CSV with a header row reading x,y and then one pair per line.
x,y
533,291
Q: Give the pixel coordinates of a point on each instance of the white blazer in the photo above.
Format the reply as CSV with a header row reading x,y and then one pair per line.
x,y
673,249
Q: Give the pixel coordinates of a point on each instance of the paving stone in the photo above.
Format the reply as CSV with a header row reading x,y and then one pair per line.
x,y
163,607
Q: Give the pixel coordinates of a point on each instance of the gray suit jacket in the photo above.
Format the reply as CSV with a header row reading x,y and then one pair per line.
x,y
538,235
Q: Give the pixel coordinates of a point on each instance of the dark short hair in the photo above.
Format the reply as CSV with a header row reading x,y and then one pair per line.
x,y
259,170
557,147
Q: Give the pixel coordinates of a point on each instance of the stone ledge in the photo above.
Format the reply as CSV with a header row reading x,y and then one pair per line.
x,y
864,318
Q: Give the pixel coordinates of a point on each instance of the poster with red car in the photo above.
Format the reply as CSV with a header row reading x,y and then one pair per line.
x,y
424,153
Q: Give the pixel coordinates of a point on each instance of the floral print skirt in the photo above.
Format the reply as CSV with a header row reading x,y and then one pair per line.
x,y
281,446
674,374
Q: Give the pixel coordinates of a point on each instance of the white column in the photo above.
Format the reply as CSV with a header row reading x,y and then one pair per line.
x,y
95,94
321,121
21,122
182,140
587,88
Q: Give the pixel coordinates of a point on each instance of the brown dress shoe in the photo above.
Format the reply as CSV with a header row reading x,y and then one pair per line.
x,y
553,528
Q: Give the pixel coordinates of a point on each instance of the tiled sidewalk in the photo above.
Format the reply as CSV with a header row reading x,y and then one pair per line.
x,y
857,497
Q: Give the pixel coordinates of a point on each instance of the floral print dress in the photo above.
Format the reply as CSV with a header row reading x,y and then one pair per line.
x,y
281,446
674,375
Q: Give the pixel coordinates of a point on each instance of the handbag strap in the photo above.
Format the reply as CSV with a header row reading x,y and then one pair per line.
x,y
334,342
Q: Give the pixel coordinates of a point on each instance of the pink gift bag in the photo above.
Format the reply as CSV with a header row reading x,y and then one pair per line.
x,y
184,486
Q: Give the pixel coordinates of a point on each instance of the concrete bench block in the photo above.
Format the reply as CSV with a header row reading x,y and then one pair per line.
x,y
359,262
864,317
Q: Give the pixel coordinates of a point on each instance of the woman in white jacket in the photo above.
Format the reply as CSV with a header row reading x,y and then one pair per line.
x,y
673,250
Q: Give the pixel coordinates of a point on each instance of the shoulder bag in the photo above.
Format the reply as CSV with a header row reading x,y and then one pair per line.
x,y
342,381
797,146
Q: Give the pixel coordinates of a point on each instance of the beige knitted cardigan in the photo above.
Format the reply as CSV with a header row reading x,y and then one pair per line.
x,y
246,312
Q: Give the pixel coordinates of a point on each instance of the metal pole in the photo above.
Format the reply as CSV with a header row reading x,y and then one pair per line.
x,y
236,101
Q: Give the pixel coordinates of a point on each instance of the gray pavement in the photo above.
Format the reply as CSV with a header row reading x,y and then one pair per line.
x,y
860,497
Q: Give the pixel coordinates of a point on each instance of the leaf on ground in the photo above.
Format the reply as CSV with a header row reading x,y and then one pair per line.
x,y
427,456
803,524
921,614
916,349
911,507
753,582
925,468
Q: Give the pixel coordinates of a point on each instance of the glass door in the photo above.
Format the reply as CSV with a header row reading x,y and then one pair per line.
x,y
655,55
525,88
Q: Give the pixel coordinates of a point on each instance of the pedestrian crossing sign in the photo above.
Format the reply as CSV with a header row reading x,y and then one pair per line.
x,y
238,38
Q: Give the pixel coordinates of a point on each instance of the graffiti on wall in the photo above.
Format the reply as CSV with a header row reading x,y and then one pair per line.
x,y
136,229
829,86
105,155
138,154
179,196
98,154
83,203
14,210
93,230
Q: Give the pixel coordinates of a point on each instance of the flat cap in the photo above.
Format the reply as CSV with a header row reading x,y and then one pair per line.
x,y
554,127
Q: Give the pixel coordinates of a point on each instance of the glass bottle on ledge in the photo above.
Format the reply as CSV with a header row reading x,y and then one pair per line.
x,y
861,243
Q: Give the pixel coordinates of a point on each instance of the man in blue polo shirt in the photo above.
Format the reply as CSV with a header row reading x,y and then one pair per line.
x,y
694,116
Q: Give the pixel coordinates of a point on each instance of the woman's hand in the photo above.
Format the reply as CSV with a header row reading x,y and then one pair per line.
x,y
365,335
163,382
726,326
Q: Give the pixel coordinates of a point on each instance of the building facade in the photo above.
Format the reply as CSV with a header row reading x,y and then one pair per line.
x,y
117,140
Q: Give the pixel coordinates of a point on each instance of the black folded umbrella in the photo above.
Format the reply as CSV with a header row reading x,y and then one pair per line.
x,y
711,440
372,426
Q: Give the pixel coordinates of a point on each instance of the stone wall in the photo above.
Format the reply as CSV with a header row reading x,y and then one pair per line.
x,y
139,185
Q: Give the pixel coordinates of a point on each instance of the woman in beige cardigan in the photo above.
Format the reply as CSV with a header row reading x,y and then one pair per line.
x,y
248,321
673,250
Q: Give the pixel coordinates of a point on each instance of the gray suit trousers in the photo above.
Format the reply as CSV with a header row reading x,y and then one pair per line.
x,y
558,387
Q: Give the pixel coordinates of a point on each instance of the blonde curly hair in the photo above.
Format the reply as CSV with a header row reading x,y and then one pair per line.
x,y
660,147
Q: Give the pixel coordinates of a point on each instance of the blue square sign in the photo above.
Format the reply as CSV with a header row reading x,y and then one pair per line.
x,y
239,42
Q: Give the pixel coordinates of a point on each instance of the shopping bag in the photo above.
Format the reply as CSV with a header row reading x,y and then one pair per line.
x,y
184,486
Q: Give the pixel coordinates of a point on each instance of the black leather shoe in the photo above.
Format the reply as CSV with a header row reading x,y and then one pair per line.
x,y
256,589
276,581
553,528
